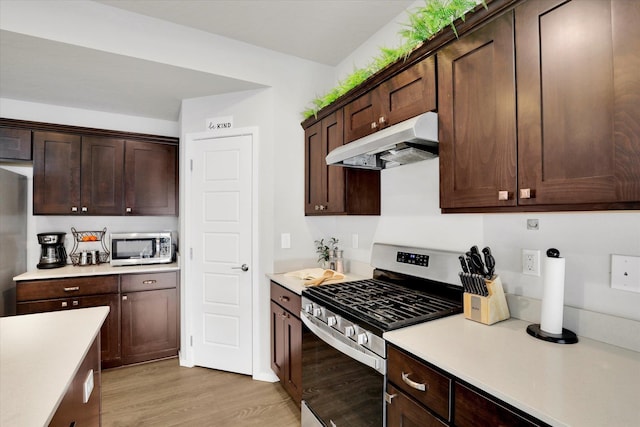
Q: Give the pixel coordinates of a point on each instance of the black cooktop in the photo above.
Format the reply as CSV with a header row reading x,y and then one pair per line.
x,y
384,304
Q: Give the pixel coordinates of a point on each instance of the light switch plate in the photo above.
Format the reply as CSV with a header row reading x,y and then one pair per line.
x,y
285,240
625,272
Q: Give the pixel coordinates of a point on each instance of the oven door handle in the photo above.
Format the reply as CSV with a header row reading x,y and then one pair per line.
x,y
373,362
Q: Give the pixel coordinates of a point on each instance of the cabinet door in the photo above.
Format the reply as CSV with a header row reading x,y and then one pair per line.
x,y
277,341
408,94
578,109
149,325
56,173
15,144
476,107
102,173
324,192
404,412
293,349
473,409
150,178
361,116
110,331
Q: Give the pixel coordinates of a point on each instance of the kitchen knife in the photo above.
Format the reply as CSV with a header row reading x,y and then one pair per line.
x,y
463,280
489,261
475,250
469,263
478,266
463,264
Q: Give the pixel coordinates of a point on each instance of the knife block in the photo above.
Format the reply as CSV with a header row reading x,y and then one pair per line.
x,y
490,309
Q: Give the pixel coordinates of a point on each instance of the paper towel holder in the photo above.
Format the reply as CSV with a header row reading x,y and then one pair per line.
x,y
566,337
535,330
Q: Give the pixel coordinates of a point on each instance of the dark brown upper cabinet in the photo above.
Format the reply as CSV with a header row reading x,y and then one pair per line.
x,y
477,118
576,145
151,177
89,175
405,95
335,190
15,144
578,102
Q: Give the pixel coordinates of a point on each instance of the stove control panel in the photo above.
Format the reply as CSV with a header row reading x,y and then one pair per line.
x,y
414,259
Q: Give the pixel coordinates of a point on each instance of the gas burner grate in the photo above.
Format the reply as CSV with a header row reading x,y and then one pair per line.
x,y
388,305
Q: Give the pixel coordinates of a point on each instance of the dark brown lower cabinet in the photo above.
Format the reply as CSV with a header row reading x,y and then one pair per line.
x,y
149,316
419,394
286,340
143,320
72,410
402,411
39,296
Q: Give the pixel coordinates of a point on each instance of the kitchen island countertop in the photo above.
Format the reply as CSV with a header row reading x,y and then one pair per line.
x,y
39,356
94,270
585,384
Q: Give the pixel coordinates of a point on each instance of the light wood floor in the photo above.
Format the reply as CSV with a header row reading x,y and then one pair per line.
x,y
164,394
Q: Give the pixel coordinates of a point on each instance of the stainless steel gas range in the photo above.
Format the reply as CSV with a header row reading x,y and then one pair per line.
x,y
344,358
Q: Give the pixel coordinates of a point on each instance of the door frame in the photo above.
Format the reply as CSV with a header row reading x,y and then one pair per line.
x,y
186,354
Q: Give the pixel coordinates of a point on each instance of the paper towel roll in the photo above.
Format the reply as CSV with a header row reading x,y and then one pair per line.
x,y
552,296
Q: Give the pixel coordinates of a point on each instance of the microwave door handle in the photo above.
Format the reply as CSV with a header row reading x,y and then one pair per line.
x,y
373,362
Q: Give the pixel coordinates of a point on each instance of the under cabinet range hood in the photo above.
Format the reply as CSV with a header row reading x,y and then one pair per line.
x,y
406,142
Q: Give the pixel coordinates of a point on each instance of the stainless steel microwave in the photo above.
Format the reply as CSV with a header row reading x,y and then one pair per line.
x,y
141,248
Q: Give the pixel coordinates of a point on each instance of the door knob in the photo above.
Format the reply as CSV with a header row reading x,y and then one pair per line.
x,y
243,267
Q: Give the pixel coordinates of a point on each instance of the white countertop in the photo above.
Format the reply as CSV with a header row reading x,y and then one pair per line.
x,y
297,285
39,356
585,384
97,270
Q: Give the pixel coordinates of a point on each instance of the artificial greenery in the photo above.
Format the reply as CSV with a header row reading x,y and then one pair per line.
x,y
324,249
424,23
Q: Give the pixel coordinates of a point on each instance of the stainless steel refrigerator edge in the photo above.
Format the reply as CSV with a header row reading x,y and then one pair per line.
x,y
13,237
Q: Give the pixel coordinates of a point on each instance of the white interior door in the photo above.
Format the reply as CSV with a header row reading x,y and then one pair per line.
x,y
220,215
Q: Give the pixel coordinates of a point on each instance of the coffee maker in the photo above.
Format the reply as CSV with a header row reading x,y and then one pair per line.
x,y
52,251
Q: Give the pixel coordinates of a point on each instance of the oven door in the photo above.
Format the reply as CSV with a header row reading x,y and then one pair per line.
x,y
342,385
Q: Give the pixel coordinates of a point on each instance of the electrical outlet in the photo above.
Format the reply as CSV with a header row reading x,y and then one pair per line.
x,y
531,262
625,273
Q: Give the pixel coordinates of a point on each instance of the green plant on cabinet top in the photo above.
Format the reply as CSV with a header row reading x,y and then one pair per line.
x,y
424,23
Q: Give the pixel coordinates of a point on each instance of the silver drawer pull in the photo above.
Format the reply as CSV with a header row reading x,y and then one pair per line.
x,y
64,304
389,397
72,288
148,282
74,303
283,298
413,384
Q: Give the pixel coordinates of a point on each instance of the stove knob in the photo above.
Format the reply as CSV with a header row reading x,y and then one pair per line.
x,y
362,339
332,321
308,308
349,331
317,312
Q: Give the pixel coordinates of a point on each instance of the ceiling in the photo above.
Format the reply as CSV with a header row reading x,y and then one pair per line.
x,y
49,72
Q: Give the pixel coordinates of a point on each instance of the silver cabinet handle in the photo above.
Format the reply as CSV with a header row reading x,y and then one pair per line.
x,y
374,125
72,288
74,209
382,120
84,209
128,210
148,282
243,267
389,397
74,303
64,304
413,384
283,298
124,298
503,195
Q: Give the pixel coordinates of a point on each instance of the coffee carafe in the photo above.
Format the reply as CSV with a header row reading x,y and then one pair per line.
x,y
52,251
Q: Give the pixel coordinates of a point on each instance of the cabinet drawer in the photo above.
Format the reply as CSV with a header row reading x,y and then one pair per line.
x,y
409,374
66,288
403,412
286,299
473,408
148,281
